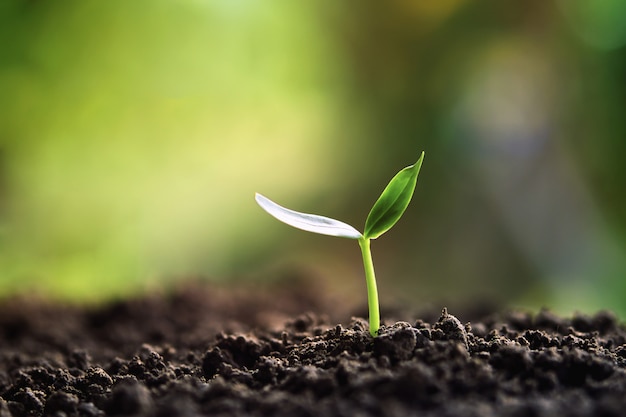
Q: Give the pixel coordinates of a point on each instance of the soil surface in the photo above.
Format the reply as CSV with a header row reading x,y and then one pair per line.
x,y
207,352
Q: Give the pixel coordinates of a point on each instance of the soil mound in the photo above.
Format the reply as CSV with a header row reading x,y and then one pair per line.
x,y
179,356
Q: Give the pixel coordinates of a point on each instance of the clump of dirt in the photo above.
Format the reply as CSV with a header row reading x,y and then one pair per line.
x,y
175,356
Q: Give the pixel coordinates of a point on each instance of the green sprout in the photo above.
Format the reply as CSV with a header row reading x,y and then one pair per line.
x,y
386,212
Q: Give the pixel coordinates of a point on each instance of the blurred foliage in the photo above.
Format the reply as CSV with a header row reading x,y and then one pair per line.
x,y
134,134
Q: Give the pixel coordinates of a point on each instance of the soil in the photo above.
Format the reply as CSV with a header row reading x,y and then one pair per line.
x,y
209,352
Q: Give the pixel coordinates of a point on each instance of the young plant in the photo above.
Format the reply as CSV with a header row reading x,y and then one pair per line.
x,y
386,212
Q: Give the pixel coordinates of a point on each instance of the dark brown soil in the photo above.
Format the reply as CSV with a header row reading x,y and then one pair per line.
x,y
208,352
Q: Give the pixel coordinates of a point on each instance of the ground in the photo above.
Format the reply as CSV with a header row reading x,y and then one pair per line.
x,y
207,351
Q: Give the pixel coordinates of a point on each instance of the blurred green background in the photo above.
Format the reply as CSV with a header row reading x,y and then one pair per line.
x,y
133,135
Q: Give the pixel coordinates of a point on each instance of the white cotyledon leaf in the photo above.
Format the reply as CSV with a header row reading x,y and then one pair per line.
x,y
308,222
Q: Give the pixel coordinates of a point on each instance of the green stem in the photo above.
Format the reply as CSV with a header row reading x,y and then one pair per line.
x,y
372,291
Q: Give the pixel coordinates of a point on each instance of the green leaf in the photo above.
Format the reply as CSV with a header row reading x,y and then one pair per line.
x,y
394,200
309,222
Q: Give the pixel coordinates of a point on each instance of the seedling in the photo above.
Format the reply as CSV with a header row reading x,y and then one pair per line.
x,y
386,212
